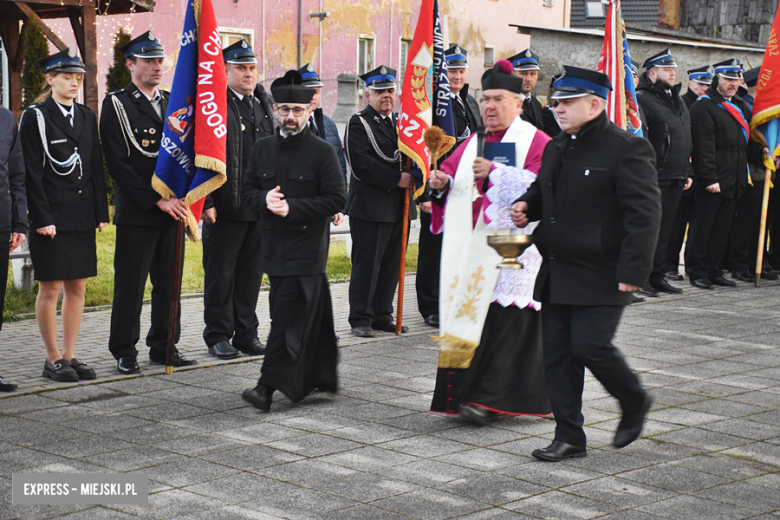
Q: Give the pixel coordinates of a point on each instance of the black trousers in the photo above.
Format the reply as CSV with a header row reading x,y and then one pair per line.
x,y
670,201
677,233
5,243
232,278
743,242
376,256
428,268
773,229
708,235
578,337
142,251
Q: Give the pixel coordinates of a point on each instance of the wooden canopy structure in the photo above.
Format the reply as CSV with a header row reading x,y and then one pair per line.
x,y
83,18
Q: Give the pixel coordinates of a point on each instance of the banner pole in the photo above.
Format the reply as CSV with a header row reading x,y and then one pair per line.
x,y
175,295
762,229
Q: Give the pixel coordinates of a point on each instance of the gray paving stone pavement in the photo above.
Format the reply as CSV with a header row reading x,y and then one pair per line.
x,y
710,449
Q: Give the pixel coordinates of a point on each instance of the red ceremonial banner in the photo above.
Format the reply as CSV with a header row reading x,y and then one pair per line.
x,y
416,113
764,126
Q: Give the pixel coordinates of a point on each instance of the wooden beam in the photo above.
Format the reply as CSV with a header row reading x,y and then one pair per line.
x,y
51,35
18,59
74,3
89,36
9,31
78,28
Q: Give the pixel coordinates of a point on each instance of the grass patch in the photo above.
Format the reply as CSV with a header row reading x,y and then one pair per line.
x,y
100,289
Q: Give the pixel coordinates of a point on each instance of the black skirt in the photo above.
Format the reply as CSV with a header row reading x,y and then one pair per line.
x,y
70,255
506,374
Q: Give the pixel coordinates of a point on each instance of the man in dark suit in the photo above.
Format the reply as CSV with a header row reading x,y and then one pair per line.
x,y
526,65
294,179
375,205
467,119
131,124
598,216
231,231
13,206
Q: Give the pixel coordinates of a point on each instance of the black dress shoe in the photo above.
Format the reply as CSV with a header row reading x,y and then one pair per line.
x,y
719,280
60,371
702,283
389,327
178,360
5,386
637,299
432,320
648,290
260,397
363,332
743,276
631,425
674,276
474,414
769,275
663,286
85,372
127,365
223,350
256,348
558,451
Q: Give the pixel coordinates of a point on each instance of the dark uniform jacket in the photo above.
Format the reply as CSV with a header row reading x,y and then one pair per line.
x,y
598,205
307,170
532,112
245,127
466,114
132,170
73,202
551,124
328,130
13,197
374,194
720,153
689,97
668,125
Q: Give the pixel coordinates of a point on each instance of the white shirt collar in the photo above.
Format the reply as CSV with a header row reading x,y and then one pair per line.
x,y
154,99
65,111
238,95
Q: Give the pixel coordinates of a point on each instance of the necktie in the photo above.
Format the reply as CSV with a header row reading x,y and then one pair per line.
x,y
389,123
248,101
70,119
155,101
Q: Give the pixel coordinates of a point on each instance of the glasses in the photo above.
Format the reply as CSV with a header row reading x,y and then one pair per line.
x,y
284,110
496,101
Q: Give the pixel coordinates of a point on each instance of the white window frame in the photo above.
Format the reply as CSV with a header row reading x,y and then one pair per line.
x,y
492,54
247,34
401,63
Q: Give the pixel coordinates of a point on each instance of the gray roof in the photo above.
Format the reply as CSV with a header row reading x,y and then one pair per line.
x,y
637,12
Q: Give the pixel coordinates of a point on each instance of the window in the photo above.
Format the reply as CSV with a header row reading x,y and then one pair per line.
x,y
594,9
365,55
231,35
402,61
489,55
547,3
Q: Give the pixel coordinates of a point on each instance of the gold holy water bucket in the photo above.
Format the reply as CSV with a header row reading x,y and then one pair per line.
x,y
510,247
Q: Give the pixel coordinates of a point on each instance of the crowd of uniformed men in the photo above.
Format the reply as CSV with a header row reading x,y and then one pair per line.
x,y
287,178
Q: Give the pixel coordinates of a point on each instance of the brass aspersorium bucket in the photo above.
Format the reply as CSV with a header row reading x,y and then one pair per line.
x,y
510,247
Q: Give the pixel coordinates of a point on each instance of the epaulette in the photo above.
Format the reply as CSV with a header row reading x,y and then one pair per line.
x,y
115,92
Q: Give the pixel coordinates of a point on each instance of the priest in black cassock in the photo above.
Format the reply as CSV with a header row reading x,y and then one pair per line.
x,y
295,181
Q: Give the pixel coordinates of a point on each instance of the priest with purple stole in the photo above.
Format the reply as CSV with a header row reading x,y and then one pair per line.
x,y
490,360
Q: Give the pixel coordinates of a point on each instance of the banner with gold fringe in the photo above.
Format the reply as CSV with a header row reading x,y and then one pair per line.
x,y
191,163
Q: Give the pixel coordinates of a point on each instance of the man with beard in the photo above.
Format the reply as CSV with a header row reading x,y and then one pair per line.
x,y
720,156
295,181
698,81
598,205
526,65
468,120
668,128
231,231
375,206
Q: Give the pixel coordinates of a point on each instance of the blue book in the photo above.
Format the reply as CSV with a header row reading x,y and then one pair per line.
x,y
502,153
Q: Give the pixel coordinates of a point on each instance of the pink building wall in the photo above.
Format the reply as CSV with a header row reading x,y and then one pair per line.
x,y
332,45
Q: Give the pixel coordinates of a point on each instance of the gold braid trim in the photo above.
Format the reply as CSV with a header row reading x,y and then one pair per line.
x,y
416,158
160,187
455,352
191,226
196,12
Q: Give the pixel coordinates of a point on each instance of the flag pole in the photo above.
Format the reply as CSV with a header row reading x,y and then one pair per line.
x,y
175,295
404,243
762,228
